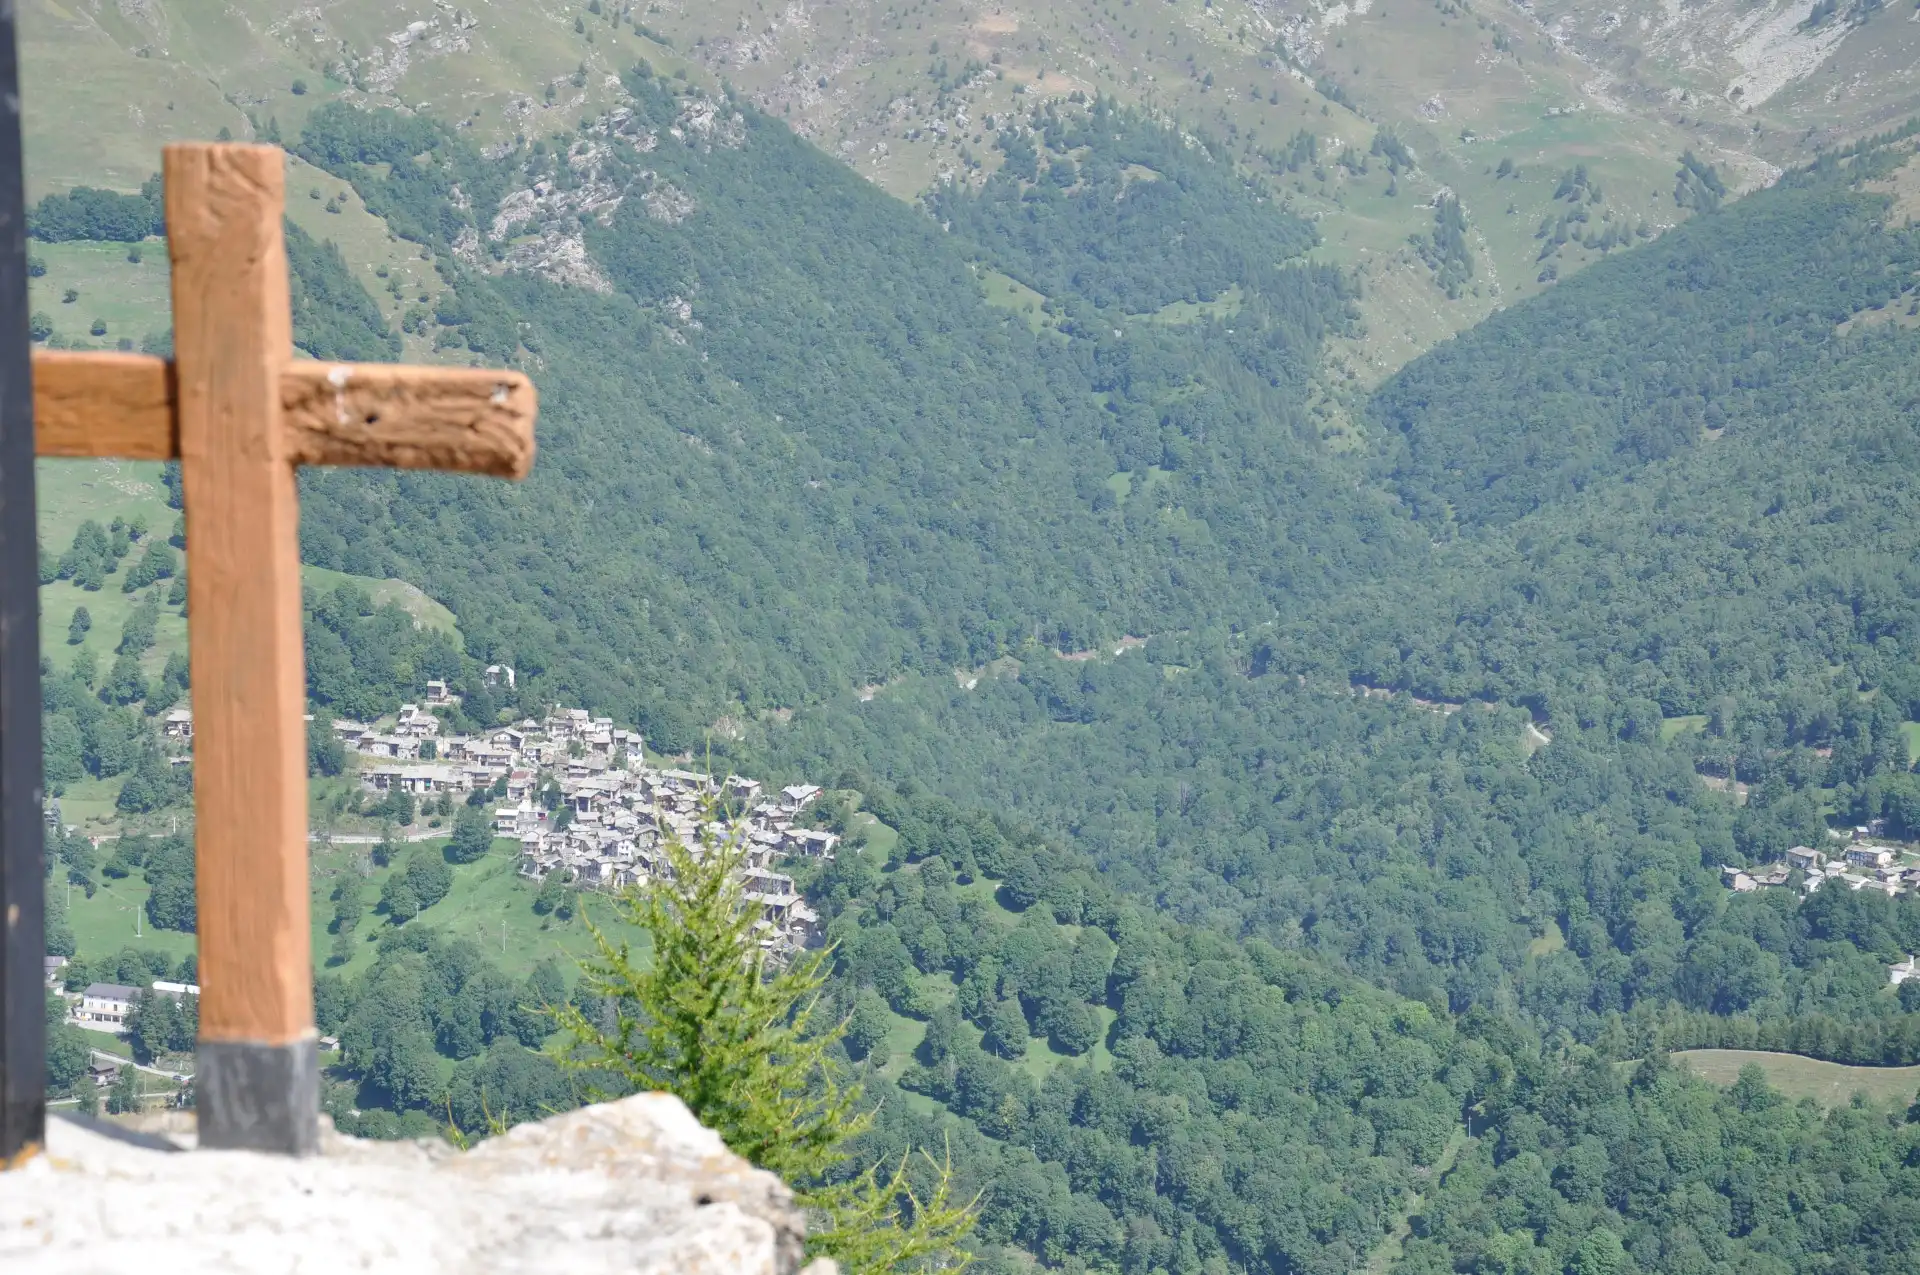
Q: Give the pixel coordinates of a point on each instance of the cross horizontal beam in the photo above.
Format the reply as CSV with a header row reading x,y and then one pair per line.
x,y
475,421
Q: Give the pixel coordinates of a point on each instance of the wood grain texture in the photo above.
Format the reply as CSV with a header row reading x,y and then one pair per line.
x,y
232,340
470,420
103,405
460,419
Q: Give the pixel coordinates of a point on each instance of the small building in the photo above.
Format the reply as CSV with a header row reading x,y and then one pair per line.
x,y
1900,971
499,675
178,724
397,747
418,780
56,965
517,821
1805,858
812,842
1869,856
174,991
416,723
437,692
104,1073
796,797
107,1004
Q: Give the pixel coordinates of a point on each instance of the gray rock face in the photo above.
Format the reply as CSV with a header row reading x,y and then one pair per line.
x,y
636,1186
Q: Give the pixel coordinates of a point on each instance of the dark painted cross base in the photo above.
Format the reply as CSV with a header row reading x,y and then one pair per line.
x,y
255,1097
23,1127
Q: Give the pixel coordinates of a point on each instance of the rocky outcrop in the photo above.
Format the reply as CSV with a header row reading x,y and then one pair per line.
x,y
636,1186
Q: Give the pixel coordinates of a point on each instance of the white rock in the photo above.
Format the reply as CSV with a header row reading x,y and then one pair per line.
x,y
636,1186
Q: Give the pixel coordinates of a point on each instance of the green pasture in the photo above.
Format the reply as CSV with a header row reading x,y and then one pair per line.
x,y
1178,313
130,297
1672,728
1005,292
1828,1083
115,917
489,903
1552,941
413,600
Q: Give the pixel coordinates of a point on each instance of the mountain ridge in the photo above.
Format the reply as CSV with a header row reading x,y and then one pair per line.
x,y
1545,90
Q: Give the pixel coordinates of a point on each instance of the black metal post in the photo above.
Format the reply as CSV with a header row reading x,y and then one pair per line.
x,y
23,948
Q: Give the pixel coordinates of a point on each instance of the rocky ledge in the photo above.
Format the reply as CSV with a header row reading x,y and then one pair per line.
x,y
636,1186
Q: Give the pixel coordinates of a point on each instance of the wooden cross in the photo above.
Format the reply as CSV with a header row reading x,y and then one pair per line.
x,y
241,414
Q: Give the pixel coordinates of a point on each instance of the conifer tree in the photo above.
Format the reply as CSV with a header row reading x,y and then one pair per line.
x,y
712,1021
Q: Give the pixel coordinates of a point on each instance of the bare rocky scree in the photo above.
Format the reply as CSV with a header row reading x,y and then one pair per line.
x,y
636,1186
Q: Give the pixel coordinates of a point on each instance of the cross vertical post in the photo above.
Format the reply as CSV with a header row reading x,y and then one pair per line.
x,y
23,1014
240,413
258,1080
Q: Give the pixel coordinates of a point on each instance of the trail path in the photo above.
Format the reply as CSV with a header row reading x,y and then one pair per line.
x,y
1388,1250
151,1071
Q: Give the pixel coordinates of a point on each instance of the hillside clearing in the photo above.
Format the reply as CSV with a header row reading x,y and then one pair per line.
x,y
1827,1083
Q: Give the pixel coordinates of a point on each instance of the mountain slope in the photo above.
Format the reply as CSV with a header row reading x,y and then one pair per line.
x,y
911,98
788,446
1689,444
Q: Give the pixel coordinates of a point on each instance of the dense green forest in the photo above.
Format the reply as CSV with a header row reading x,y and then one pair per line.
x,y
1676,479
1156,1142
87,212
1233,1058
792,451
1593,1170
853,467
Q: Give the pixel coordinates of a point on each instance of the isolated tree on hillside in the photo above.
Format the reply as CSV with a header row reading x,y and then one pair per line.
x,y
472,835
1007,1034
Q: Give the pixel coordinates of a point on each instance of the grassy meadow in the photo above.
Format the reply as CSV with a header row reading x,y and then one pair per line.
x,y
1828,1083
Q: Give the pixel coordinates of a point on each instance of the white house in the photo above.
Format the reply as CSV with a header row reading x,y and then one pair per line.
x,y
107,1004
1870,856
514,821
179,724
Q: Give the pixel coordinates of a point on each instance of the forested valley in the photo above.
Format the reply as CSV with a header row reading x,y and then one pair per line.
x,y
1362,849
